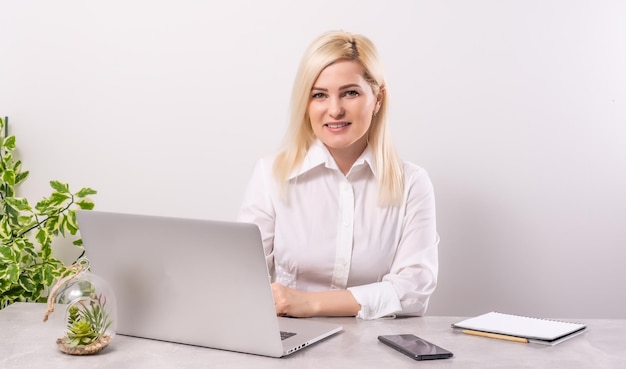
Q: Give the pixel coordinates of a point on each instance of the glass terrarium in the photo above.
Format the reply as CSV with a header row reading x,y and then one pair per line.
x,y
90,310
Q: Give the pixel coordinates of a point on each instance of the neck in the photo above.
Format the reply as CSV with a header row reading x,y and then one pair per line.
x,y
346,157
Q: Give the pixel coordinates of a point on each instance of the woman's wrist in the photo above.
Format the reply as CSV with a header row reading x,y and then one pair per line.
x,y
334,303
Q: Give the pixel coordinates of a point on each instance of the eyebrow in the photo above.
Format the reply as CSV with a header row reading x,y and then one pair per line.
x,y
344,87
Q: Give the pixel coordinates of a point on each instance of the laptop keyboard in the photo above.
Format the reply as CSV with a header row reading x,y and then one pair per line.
x,y
285,335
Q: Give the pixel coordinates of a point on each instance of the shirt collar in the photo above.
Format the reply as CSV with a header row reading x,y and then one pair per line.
x,y
318,154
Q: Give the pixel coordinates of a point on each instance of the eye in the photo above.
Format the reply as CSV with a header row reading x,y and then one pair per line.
x,y
318,96
351,93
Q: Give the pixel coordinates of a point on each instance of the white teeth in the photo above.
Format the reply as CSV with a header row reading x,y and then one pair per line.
x,y
337,125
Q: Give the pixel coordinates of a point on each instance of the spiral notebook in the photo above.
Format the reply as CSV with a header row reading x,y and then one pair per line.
x,y
520,328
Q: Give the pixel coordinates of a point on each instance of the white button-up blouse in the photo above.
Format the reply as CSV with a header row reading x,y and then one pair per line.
x,y
327,232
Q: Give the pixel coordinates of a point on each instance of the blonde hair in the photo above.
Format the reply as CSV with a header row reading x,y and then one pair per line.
x,y
325,50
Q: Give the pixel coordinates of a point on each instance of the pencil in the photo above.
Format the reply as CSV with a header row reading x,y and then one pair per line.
x,y
495,335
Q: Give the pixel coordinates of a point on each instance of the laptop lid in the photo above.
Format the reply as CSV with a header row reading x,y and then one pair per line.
x,y
192,281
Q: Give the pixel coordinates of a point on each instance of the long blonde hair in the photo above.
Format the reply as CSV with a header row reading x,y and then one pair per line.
x,y
325,50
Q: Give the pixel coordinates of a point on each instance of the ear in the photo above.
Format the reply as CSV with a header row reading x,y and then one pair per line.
x,y
379,99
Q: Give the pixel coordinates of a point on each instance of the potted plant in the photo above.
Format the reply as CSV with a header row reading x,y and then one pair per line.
x,y
87,326
90,310
27,265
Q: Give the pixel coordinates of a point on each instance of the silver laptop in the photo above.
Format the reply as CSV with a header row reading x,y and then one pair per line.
x,y
191,281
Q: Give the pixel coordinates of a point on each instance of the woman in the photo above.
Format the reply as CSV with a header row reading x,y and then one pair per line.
x,y
348,228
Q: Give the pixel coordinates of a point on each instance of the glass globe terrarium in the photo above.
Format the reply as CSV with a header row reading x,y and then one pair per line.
x,y
90,310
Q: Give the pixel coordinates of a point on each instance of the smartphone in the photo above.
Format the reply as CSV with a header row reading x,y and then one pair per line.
x,y
415,347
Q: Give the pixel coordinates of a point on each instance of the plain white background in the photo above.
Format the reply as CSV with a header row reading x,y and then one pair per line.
x,y
516,108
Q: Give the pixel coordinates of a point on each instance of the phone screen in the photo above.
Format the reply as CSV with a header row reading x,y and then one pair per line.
x,y
415,347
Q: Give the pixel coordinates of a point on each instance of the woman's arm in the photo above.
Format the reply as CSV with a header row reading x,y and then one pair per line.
x,y
412,276
291,302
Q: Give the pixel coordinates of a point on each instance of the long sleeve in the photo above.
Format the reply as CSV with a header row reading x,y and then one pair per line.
x,y
257,208
412,276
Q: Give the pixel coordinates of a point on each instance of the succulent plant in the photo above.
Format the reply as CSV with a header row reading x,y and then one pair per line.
x,y
86,322
81,332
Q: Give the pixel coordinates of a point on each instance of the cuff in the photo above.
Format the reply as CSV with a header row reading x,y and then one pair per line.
x,y
377,300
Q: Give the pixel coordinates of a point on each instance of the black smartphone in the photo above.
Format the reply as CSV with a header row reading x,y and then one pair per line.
x,y
415,347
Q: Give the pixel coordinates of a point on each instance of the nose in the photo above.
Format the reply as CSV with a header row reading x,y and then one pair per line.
x,y
335,108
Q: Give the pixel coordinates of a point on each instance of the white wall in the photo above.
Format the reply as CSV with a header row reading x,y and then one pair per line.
x,y
516,108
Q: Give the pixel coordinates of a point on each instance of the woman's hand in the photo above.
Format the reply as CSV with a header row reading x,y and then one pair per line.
x,y
292,302
300,304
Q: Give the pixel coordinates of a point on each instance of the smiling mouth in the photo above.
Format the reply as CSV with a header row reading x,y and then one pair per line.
x,y
337,125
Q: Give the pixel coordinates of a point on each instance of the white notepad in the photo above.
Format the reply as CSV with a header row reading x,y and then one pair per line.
x,y
534,329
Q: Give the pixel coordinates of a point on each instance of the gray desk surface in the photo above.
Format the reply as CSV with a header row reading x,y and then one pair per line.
x,y
27,342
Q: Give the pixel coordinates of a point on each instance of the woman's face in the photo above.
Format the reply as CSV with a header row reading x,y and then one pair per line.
x,y
341,107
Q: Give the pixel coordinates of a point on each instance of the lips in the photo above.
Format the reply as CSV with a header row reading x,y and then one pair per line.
x,y
337,125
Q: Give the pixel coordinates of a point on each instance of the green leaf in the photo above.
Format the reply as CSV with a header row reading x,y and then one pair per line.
x,y
60,187
27,283
23,244
42,205
62,225
47,274
4,283
5,229
3,273
85,191
9,143
18,203
7,254
9,177
58,198
12,273
36,272
70,224
20,177
52,224
85,205
8,162
26,221
7,190
46,251
28,255
78,242
42,236
17,166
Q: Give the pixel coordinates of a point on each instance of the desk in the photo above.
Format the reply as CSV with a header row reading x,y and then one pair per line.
x,y
27,342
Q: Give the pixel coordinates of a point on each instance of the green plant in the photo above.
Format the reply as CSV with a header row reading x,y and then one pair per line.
x,y
86,323
27,265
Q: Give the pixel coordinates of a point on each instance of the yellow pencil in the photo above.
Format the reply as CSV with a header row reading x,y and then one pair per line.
x,y
495,335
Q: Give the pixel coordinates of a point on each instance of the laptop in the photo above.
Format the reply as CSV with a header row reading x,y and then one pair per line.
x,y
192,281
